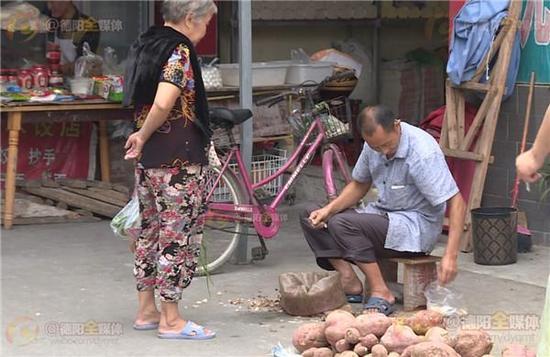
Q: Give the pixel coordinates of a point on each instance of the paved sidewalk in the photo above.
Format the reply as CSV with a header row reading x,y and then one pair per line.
x,y
75,273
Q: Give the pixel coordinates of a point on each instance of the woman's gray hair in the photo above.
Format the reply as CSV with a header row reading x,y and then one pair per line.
x,y
176,10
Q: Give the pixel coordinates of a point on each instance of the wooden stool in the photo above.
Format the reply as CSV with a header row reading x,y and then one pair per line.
x,y
418,273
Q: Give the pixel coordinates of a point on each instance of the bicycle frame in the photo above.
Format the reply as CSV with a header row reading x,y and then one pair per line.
x,y
264,217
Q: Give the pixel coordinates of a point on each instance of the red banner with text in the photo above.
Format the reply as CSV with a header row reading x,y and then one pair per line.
x,y
54,150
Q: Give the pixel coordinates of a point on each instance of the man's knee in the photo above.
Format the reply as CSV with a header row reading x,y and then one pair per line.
x,y
337,222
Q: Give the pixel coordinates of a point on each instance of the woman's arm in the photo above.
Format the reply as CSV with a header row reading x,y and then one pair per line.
x,y
166,97
531,161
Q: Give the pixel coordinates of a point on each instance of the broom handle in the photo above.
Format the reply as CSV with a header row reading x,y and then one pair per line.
x,y
515,191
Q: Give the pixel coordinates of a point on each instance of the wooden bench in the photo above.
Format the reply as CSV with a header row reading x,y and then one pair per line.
x,y
418,272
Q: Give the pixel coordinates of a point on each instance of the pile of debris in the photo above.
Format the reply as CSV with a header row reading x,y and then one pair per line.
x,y
259,303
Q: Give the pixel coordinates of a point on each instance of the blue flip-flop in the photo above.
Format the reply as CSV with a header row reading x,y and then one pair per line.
x,y
354,298
147,326
380,304
191,331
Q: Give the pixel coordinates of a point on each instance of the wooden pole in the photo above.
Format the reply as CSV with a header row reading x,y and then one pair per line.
x,y
104,160
14,127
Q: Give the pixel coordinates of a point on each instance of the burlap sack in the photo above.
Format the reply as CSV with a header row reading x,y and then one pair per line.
x,y
306,294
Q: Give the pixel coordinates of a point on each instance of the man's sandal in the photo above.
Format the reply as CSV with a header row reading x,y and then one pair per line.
x,y
381,305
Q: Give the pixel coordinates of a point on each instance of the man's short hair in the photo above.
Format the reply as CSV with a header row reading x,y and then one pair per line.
x,y
370,117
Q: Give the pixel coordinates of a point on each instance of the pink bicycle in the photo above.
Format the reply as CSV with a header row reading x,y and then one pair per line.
x,y
230,216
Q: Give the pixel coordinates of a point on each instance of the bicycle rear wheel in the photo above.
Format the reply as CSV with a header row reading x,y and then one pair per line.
x,y
220,237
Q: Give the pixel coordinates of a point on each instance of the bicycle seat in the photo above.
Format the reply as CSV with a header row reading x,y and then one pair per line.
x,y
228,118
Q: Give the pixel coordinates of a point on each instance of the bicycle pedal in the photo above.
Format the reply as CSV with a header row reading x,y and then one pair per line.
x,y
258,253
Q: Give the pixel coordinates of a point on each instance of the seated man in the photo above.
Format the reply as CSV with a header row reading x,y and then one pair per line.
x,y
414,183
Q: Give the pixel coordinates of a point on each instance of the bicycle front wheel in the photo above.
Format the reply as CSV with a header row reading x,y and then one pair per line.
x,y
221,236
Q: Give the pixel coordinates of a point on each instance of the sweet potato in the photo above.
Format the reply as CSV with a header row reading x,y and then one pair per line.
x,y
473,343
375,323
318,352
352,336
429,349
379,351
309,335
423,320
398,337
517,350
342,345
336,325
346,354
438,334
369,340
361,349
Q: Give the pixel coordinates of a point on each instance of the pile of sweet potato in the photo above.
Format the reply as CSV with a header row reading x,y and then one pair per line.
x,y
376,335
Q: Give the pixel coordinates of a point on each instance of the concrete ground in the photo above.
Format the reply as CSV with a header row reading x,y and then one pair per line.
x,y
58,279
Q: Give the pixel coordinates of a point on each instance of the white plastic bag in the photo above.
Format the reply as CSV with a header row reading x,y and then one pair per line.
x,y
444,300
211,75
127,223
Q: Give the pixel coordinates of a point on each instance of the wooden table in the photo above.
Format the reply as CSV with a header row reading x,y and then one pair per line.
x,y
97,110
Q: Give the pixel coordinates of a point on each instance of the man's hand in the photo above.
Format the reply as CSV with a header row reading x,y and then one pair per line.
x,y
134,146
447,269
527,165
319,218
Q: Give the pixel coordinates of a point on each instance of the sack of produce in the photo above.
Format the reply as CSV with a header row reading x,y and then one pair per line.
x,y
306,294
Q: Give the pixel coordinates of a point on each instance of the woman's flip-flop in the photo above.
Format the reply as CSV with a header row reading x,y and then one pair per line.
x,y
191,331
147,326
354,298
382,305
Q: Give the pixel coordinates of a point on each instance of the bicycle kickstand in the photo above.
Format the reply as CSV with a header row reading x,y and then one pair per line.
x,y
259,253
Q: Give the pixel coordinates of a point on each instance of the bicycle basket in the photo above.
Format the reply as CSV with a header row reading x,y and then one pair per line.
x,y
334,114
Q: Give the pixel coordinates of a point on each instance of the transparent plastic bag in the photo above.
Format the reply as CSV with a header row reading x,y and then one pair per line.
x,y
110,62
444,300
89,64
127,223
211,75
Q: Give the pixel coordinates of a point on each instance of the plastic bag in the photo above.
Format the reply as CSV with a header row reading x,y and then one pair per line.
x,y
444,300
89,64
127,223
211,75
298,55
281,351
110,62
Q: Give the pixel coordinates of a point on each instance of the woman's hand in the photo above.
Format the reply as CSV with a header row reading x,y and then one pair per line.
x,y
134,146
132,245
527,165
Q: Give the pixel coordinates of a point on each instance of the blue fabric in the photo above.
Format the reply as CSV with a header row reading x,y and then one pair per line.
x,y
413,188
475,26
513,67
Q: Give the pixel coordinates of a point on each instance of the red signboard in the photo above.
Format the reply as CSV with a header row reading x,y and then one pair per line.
x,y
55,150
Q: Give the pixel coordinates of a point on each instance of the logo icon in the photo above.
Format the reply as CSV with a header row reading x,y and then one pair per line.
x,y
22,331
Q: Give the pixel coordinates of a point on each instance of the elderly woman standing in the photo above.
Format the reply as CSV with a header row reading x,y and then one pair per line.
x,y
163,81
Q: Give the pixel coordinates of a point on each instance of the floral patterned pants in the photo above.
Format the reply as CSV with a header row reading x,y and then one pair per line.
x,y
172,209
